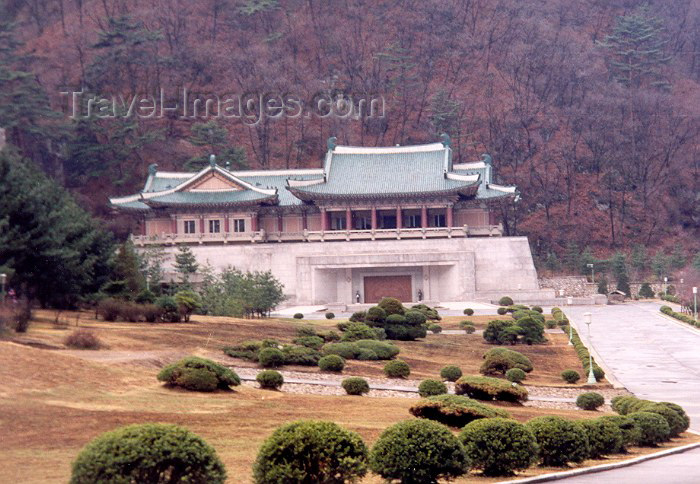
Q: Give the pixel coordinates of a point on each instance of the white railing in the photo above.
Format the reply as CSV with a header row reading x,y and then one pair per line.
x,y
322,236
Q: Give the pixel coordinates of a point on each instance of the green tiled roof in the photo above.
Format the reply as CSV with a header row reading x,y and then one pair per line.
x,y
386,173
279,182
211,198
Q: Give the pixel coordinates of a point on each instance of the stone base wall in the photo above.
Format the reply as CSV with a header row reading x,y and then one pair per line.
x,y
577,286
459,269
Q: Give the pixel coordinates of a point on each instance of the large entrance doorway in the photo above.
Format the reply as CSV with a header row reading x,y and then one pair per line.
x,y
377,287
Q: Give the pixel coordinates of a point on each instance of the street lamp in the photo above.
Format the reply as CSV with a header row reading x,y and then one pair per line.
x,y
666,285
571,334
3,279
590,266
591,376
695,302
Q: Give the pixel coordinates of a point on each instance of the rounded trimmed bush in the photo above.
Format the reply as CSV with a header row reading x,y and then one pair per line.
x,y
505,301
357,331
604,437
653,428
500,360
151,453
396,319
271,358
469,329
469,311
347,351
415,318
198,374
451,373
391,306
485,388
367,355
330,315
383,349
418,450
435,328
516,375
83,339
465,324
630,431
314,342
538,309
311,451
375,315
550,324
355,385
358,317
454,410
331,363
560,441
498,446
270,379
674,415
298,316
590,401
397,369
429,388
570,376
501,311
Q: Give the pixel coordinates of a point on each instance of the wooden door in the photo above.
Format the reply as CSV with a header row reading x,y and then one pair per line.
x,y
377,287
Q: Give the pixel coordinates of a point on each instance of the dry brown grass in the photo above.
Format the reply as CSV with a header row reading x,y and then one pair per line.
x,y
52,403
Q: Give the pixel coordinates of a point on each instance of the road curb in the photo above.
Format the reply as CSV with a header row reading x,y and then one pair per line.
x,y
555,476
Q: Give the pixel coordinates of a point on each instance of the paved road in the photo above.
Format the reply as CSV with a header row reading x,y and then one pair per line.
x,y
655,359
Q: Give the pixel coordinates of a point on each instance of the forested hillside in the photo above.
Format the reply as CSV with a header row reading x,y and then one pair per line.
x,y
590,107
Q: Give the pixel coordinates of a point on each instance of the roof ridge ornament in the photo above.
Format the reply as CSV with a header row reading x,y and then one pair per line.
x,y
331,143
153,169
446,140
212,160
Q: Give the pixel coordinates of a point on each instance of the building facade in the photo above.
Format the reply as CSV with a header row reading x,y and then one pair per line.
x,y
398,221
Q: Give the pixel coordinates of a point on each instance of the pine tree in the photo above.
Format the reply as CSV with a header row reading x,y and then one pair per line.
x,y
619,269
572,257
677,259
552,262
696,260
639,259
659,265
185,264
637,49
215,138
58,254
127,268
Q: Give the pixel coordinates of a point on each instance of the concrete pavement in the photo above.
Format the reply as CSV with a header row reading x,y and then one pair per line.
x,y
655,358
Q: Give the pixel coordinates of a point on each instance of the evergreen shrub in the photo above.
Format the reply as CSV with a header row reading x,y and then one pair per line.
x,y
485,388
270,379
450,373
560,441
454,410
590,401
355,385
397,369
429,388
331,363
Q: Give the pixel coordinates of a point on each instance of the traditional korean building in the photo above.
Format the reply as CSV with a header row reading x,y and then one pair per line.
x,y
399,221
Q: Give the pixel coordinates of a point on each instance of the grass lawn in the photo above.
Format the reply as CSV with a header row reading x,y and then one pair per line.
x,y
53,403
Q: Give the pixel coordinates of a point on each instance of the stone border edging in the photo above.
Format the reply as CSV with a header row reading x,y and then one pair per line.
x,y
680,323
555,476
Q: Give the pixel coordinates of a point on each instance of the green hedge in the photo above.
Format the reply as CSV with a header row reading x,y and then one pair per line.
x,y
579,347
499,446
485,388
654,429
680,316
560,440
674,415
604,437
454,410
148,453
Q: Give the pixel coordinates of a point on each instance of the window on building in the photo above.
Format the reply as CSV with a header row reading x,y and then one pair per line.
x,y
239,225
412,221
338,223
363,223
214,226
439,220
189,226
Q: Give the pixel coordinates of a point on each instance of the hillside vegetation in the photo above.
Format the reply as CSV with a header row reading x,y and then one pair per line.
x,y
589,107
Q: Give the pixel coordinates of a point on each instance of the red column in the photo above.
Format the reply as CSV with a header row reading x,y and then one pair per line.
x,y
449,215
280,223
142,226
348,219
424,216
173,223
226,223
304,221
254,222
201,224
399,221
374,218
324,220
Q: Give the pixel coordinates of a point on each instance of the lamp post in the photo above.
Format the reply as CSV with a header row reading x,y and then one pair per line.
x,y
590,266
3,279
666,285
695,302
591,376
571,334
